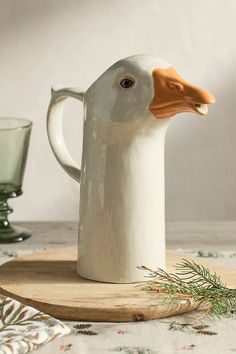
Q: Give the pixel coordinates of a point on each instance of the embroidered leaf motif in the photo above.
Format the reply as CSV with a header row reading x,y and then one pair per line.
x,y
87,332
8,312
200,327
23,328
82,326
21,315
208,333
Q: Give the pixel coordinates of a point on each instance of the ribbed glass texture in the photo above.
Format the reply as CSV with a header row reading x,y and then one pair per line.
x,y
14,143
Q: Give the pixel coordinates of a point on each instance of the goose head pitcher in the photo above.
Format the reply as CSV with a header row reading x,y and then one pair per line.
x,y
127,111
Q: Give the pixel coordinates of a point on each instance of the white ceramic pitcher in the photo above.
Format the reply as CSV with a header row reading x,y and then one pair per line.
x,y
126,114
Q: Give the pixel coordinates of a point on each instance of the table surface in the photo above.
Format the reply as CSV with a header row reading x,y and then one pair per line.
x,y
217,235
202,239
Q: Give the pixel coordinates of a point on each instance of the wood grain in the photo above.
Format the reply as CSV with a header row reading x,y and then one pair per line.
x,y
47,280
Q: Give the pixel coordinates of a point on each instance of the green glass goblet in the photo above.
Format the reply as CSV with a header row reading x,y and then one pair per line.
x,y
14,142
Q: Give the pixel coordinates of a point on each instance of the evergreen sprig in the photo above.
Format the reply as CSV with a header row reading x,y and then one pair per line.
x,y
194,282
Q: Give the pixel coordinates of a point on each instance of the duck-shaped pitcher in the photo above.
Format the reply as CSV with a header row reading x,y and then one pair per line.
x,y
122,214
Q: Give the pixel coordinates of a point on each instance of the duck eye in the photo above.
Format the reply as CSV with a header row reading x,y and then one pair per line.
x,y
127,83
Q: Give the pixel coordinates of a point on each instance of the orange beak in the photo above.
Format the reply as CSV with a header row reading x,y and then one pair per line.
x,y
174,95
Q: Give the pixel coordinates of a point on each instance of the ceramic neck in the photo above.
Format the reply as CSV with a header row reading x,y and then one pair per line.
x,y
122,221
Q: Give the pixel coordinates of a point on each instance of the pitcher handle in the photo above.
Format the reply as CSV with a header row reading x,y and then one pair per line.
x,y
55,131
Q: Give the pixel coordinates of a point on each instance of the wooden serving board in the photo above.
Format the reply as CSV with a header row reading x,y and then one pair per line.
x,y
47,280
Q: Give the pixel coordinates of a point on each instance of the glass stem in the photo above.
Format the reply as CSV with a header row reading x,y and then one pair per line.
x,y
4,211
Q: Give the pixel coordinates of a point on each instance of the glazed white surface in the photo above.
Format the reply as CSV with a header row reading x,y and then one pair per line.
x,y
55,128
121,221
122,191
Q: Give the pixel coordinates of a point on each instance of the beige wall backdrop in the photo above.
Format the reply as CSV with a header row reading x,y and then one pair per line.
x,y
48,42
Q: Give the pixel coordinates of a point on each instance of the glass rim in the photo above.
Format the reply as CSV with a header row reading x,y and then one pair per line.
x,y
25,123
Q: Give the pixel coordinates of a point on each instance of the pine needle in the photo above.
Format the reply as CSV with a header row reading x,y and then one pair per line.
x,y
194,282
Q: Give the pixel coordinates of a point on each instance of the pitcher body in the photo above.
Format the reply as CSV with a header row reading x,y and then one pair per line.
x,y
122,192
